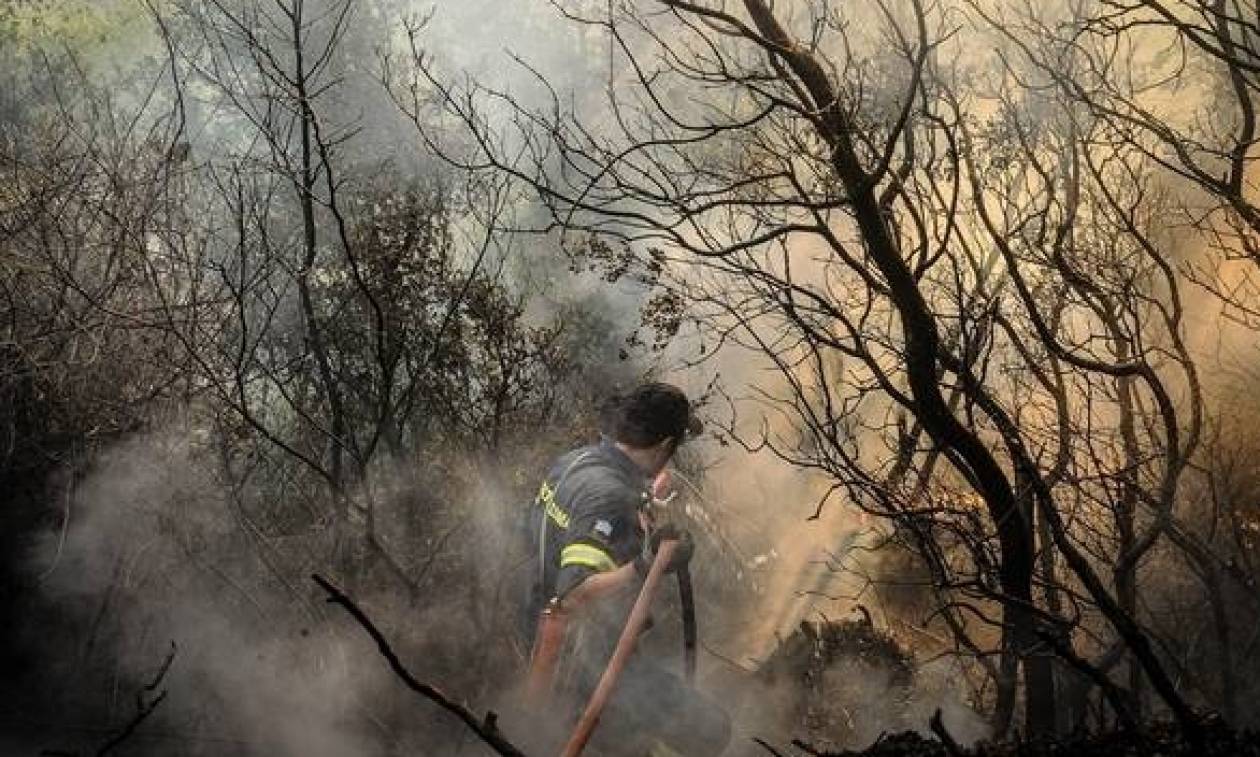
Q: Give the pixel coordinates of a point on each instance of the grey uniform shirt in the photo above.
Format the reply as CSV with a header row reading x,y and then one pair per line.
x,y
586,514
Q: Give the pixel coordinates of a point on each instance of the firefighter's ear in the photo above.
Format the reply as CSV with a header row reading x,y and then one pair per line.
x,y
662,451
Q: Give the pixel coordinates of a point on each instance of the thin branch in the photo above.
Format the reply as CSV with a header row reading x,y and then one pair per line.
x,y
144,708
486,728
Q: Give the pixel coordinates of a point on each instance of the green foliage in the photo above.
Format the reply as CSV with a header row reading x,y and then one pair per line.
x,y
90,28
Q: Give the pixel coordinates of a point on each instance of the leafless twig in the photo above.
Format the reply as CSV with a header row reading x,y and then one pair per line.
x,y
144,708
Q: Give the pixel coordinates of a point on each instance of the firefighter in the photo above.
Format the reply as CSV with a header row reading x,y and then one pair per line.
x,y
594,540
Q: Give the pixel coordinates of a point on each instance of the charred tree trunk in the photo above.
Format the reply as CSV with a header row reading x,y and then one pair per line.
x,y
1040,698
1224,645
1126,572
1211,572
1041,714
1054,606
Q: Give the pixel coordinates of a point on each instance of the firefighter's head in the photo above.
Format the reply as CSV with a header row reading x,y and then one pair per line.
x,y
651,420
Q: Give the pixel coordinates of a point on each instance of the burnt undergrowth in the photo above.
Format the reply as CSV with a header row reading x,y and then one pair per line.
x,y
1216,739
831,663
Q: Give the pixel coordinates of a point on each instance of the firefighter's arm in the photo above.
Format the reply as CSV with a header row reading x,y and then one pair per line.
x,y
598,585
590,570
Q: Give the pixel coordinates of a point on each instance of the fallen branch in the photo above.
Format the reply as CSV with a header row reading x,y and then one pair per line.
x,y
486,728
142,714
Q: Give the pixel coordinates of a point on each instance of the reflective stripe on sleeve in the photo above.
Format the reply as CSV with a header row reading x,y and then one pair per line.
x,y
587,556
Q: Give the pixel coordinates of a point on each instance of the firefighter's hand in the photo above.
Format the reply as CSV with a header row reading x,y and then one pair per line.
x,y
682,553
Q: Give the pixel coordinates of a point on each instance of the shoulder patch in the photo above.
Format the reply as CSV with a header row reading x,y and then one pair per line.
x,y
603,528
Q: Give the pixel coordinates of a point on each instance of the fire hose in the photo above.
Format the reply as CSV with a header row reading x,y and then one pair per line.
x,y
687,601
550,638
621,654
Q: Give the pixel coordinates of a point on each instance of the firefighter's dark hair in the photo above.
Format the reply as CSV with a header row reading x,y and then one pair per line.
x,y
648,414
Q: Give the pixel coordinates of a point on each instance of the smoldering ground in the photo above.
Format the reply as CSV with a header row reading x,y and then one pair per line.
x,y
153,553
155,549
